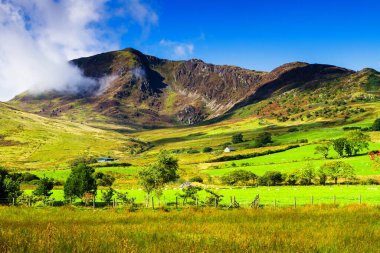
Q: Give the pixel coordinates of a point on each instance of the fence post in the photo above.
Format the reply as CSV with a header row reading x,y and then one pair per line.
x,y
29,204
216,202
13,201
93,202
312,200
176,202
360,198
153,203
275,203
295,202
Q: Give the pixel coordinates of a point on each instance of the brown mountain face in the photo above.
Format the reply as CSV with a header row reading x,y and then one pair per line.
x,y
136,89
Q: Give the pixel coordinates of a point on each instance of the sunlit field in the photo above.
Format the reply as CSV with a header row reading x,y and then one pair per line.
x,y
313,229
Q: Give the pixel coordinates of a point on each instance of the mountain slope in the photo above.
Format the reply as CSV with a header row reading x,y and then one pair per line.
x,y
30,141
140,90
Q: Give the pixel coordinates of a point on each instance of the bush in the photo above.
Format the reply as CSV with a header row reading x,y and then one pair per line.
x,y
271,178
207,150
237,138
104,179
263,139
376,125
292,129
371,181
27,177
238,176
196,179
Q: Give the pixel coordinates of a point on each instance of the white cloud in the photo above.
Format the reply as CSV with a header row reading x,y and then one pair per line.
x,y
38,37
178,49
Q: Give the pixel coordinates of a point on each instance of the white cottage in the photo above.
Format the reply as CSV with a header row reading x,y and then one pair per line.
x,y
229,149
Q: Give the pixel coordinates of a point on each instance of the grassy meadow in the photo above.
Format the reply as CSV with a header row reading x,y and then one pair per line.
x,y
312,229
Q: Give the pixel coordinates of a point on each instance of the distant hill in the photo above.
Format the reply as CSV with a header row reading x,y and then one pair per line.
x,y
145,91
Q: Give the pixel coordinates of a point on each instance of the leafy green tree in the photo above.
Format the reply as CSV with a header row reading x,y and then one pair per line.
x,y
271,178
189,192
338,145
263,139
322,174
44,187
207,150
103,179
107,195
306,175
12,188
154,177
323,150
291,178
80,181
9,188
358,141
237,176
237,138
376,125
339,169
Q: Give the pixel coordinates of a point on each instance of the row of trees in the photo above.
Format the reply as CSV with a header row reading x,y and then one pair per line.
x,y
353,143
261,139
305,176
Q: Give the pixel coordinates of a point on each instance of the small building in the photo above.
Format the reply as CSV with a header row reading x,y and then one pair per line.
x,y
229,149
105,159
186,184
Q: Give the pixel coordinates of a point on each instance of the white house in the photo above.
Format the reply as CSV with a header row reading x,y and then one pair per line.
x,y
229,149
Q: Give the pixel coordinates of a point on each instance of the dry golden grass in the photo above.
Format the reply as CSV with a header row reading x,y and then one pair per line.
x,y
309,229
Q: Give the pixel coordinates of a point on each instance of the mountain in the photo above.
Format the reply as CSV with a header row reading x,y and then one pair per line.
x,y
145,91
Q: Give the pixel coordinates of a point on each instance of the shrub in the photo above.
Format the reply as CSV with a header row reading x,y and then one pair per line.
x,y
271,178
376,125
207,150
262,139
237,138
196,179
44,187
238,176
372,181
104,179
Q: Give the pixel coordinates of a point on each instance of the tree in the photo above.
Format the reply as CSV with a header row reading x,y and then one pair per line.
x,y
108,195
322,174
9,188
291,178
80,181
338,145
189,192
237,176
271,178
357,140
338,169
376,125
262,139
154,177
237,138
104,179
323,150
306,175
44,187
207,150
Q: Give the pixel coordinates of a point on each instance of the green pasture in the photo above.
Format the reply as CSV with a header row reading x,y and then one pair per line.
x,y
294,159
284,195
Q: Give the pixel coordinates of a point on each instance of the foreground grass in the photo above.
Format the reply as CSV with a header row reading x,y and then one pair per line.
x,y
309,229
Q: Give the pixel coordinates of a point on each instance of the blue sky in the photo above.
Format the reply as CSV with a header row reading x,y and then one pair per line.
x,y
38,37
262,34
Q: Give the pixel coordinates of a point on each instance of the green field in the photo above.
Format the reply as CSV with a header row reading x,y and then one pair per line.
x,y
312,229
283,195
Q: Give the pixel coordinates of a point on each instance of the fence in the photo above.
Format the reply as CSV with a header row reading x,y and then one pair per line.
x,y
197,202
